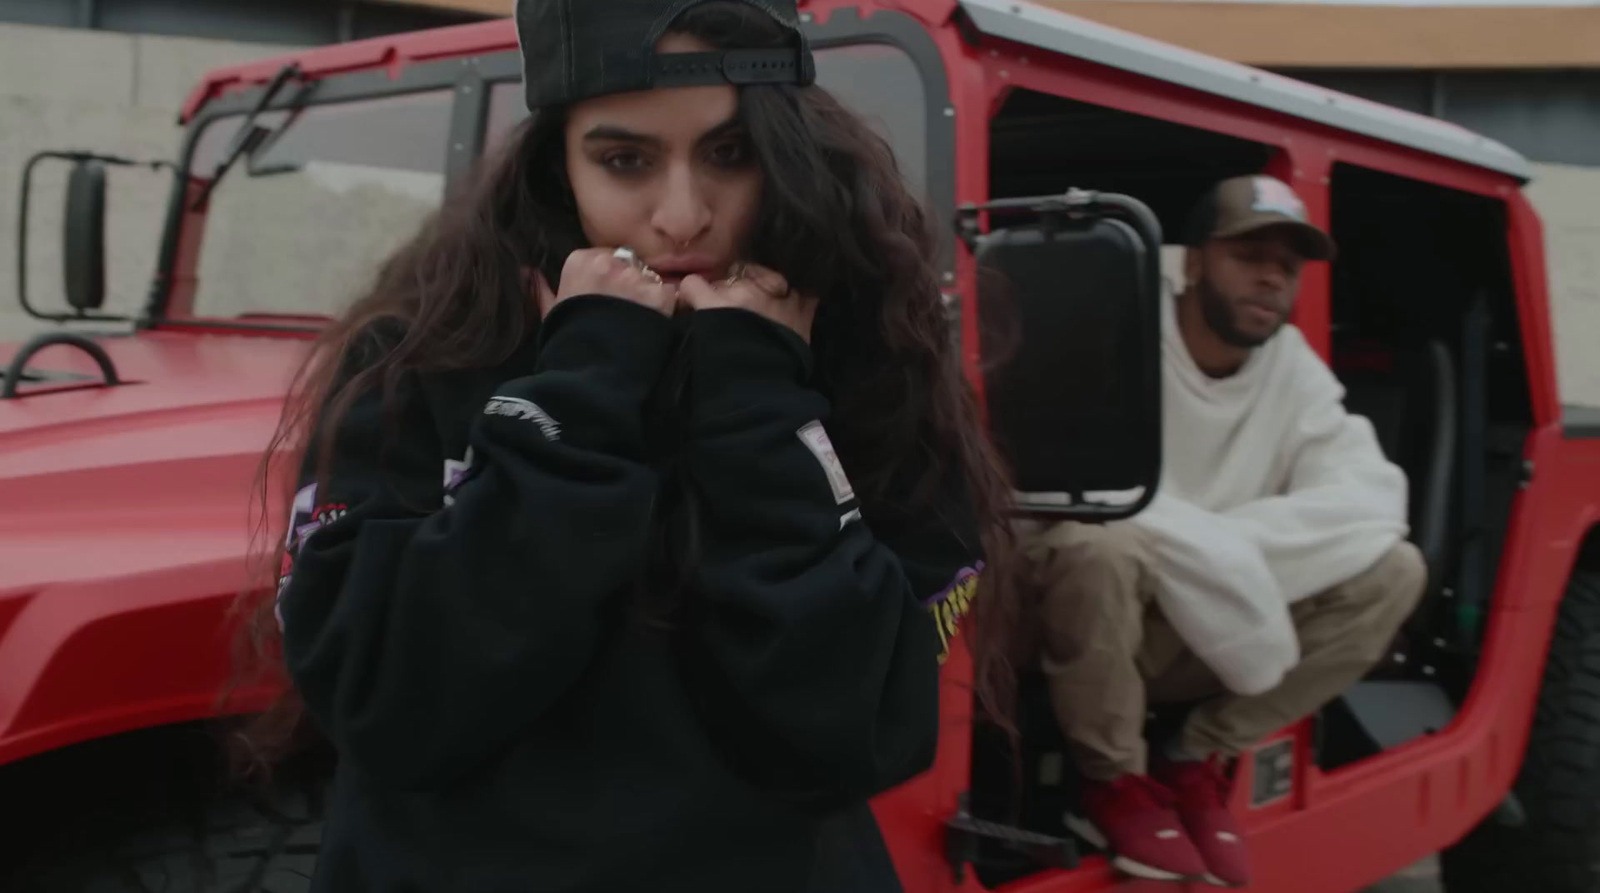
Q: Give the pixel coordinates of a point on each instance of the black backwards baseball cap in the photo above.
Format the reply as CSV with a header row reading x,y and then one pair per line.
x,y
579,49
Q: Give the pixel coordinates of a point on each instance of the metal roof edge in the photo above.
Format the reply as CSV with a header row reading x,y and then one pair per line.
x,y
1061,32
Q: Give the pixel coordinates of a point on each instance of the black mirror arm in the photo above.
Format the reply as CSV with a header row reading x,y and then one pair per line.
x,y
1072,203
22,229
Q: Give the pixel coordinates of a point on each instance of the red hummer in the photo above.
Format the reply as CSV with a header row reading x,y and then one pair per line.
x,y
1059,151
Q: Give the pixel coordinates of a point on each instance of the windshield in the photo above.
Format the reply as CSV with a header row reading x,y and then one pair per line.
x,y
300,226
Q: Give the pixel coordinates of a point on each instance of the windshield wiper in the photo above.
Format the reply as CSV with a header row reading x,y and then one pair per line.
x,y
251,135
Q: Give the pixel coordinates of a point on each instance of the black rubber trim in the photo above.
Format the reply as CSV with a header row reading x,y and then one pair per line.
x,y
469,117
19,362
1580,422
846,27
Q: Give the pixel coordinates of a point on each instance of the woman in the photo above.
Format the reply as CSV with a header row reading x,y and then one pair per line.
x,y
577,583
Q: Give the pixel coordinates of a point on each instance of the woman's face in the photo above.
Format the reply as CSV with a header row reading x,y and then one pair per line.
x,y
668,173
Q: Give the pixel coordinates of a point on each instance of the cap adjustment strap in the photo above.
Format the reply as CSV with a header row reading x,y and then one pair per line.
x,y
771,66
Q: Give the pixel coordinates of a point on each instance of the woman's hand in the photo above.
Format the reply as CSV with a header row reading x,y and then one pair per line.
x,y
597,271
758,290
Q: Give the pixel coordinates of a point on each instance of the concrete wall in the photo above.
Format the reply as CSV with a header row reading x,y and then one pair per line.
x,y
113,93
1568,199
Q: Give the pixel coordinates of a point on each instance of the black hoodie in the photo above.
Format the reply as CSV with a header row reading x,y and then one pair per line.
x,y
460,616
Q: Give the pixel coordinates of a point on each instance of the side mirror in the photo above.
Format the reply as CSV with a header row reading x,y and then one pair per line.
x,y
83,233
84,236
1069,304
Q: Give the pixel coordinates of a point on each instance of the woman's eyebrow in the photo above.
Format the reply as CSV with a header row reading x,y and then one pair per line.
x,y
725,129
617,134
613,133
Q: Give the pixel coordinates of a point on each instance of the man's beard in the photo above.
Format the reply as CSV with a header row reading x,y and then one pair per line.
x,y
1218,314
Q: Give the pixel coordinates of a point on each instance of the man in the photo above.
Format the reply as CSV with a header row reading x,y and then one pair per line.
x,y
1268,575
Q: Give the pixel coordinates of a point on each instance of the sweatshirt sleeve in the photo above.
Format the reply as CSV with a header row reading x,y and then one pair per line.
x,y
1219,594
432,608
1344,504
815,654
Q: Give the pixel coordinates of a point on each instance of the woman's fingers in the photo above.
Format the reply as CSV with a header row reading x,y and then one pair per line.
x,y
770,281
599,271
758,290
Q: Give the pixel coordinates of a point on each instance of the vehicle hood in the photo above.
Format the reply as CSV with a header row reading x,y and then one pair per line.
x,y
102,481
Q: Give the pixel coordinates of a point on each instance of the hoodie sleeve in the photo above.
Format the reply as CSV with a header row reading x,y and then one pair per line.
x,y
1219,594
1344,503
423,595
816,651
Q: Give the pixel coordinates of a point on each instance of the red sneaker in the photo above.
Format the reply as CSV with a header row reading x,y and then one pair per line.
x,y
1134,820
1202,790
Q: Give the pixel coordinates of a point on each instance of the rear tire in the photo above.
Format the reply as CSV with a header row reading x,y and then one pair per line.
x,y
153,813
1557,848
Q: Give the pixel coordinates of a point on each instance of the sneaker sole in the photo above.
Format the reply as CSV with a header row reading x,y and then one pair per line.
x,y
1086,830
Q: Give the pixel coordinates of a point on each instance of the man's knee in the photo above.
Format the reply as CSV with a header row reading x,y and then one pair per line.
x,y
1087,576
1071,550
1378,600
1396,581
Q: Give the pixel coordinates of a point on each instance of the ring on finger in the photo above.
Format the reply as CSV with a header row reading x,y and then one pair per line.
x,y
631,258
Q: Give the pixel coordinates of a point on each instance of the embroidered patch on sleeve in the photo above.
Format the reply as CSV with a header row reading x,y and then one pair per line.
x,y
302,523
456,472
527,411
305,518
952,605
815,437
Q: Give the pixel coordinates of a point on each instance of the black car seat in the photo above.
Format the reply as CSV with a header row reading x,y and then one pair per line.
x,y
1409,396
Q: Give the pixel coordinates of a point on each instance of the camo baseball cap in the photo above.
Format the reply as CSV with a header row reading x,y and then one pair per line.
x,y
1243,205
579,49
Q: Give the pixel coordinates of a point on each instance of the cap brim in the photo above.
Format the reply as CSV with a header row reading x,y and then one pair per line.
x,y
1311,241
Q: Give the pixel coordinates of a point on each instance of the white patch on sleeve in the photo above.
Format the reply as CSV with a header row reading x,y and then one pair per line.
x,y
816,440
455,474
527,411
851,517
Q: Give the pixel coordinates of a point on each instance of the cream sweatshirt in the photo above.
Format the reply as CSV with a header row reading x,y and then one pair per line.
x,y
1270,493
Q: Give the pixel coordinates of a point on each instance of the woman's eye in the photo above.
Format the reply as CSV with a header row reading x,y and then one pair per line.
x,y
735,153
623,162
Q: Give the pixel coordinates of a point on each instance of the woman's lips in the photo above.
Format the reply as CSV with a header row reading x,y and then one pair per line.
x,y
682,266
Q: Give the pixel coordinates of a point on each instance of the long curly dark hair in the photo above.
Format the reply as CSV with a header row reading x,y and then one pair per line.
x,y
836,220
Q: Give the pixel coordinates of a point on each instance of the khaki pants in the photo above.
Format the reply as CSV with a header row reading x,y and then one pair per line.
x,y
1107,651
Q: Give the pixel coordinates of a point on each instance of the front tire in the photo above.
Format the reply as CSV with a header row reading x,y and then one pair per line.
x,y
154,812
1557,848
